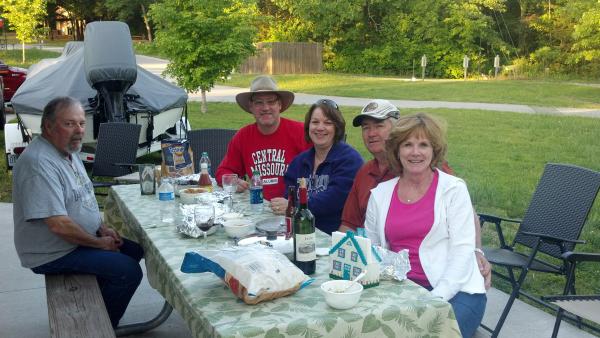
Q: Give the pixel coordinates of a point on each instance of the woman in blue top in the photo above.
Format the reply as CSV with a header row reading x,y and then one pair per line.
x,y
329,166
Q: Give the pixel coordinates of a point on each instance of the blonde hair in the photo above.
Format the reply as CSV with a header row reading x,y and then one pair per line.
x,y
418,124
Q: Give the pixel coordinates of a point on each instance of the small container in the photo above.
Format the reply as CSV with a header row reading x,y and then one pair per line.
x,y
147,179
237,228
189,195
256,192
232,215
166,195
339,296
205,182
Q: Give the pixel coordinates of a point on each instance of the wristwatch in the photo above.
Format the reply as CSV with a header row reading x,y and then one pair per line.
x,y
480,251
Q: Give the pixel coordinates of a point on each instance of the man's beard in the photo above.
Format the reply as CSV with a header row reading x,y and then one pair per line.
x,y
74,149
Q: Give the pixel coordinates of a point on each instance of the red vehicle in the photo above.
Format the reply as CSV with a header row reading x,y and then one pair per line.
x,y
2,112
13,77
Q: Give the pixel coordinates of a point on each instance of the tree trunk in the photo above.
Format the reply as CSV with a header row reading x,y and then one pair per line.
x,y
146,22
75,29
23,47
203,103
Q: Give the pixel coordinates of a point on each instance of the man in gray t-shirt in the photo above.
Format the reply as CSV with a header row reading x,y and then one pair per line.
x,y
58,227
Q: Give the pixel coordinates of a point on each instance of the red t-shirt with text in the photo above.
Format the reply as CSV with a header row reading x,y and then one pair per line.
x,y
251,150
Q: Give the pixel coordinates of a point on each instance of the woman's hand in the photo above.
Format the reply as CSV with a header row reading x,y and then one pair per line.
x,y
279,205
485,268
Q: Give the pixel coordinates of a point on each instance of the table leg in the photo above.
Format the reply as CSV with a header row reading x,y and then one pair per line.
x,y
135,328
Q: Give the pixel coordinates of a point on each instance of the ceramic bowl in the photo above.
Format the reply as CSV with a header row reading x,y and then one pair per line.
x,y
188,196
237,228
337,298
232,215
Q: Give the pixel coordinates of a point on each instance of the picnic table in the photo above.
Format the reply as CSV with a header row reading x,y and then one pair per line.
x,y
392,309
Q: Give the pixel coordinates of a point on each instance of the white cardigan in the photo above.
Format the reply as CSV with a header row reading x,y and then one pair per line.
x,y
447,251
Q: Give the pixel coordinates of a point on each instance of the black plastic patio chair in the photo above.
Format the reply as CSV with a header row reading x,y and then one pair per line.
x,y
552,224
582,306
116,151
213,141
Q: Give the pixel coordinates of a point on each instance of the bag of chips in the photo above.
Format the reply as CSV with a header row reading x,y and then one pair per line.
x,y
176,158
253,273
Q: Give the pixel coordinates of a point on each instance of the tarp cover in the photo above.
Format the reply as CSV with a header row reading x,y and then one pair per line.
x,y
108,53
66,77
69,49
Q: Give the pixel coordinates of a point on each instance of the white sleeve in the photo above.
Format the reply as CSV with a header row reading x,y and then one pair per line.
x,y
461,231
371,222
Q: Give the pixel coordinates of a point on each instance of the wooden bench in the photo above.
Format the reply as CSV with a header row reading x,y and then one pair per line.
x,y
76,308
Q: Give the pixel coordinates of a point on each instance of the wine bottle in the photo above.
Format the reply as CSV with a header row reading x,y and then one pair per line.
x,y
289,212
305,256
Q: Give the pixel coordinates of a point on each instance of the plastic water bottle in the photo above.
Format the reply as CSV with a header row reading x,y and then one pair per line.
x,y
256,192
205,159
166,194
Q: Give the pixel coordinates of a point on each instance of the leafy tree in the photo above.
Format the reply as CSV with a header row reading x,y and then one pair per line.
x,y
83,11
587,36
131,10
388,36
204,39
26,18
564,27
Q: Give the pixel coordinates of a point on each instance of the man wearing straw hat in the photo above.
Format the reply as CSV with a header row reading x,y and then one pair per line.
x,y
269,144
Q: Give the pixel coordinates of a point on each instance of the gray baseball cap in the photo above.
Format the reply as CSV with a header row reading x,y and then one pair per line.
x,y
378,110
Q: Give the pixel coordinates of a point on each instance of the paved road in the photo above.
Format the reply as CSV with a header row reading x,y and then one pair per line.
x,y
227,94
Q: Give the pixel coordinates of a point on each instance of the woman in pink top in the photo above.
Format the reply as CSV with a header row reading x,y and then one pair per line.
x,y
429,213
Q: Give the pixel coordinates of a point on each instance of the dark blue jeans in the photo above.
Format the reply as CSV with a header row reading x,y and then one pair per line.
x,y
118,273
468,310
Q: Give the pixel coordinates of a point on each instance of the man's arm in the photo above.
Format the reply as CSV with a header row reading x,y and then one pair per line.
x,y
352,217
65,228
233,163
343,228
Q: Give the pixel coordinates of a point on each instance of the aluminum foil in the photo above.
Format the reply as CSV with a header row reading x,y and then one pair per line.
x,y
186,224
393,265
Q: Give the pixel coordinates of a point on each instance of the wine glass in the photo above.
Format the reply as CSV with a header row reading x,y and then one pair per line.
x,y
204,216
230,182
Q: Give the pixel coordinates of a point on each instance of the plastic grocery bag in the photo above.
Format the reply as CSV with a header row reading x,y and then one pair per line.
x,y
253,273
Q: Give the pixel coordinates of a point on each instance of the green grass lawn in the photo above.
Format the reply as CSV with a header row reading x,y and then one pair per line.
x,y
32,55
537,93
147,48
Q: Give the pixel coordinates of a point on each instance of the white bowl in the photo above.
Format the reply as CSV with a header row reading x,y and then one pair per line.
x,y
339,299
237,228
232,215
188,196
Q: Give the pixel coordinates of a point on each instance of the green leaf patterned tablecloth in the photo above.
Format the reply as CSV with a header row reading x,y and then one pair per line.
x,y
392,309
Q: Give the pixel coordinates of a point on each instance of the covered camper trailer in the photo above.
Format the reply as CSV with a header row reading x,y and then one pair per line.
x,y
103,75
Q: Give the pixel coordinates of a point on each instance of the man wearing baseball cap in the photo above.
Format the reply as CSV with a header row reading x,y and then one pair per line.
x,y
267,145
377,120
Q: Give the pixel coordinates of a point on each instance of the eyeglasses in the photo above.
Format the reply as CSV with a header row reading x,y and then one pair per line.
x,y
328,102
265,102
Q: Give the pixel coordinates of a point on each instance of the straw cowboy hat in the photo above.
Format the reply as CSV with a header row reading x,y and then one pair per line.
x,y
264,84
